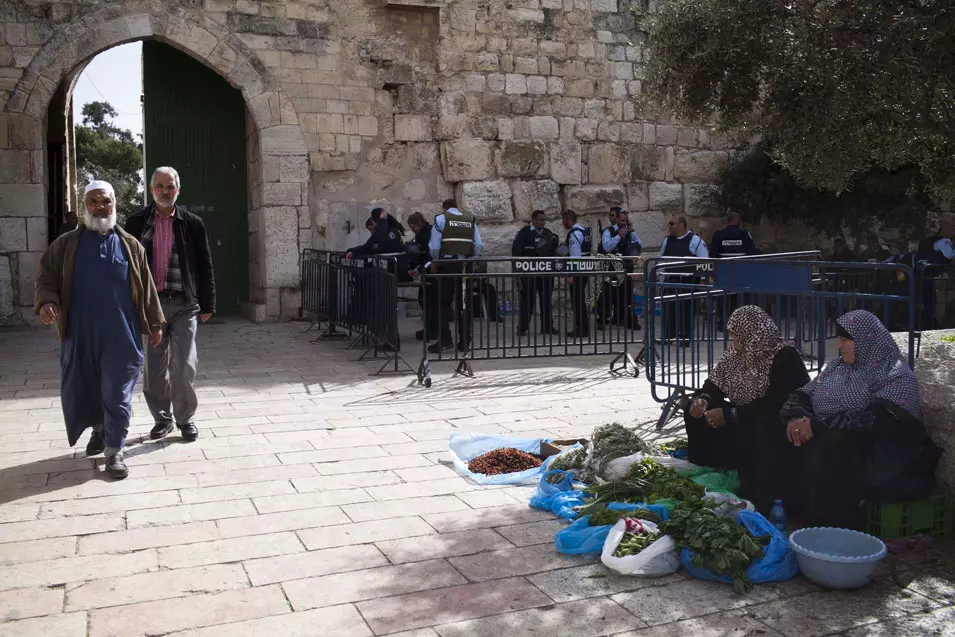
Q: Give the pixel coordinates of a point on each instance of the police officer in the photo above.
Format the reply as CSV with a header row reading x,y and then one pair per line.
x,y
733,240
934,252
385,236
681,243
534,241
620,239
454,236
579,244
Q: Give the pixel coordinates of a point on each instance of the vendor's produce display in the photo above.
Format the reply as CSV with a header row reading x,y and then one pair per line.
x,y
719,544
604,516
571,461
665,483
635,538
507,460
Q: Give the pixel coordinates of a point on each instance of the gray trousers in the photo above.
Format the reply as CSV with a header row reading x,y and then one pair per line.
x,y
170,376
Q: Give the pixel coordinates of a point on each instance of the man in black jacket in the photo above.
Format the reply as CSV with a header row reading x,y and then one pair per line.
x,y
178,253
536,241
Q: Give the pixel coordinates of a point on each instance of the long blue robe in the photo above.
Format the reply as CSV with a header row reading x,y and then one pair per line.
x,y
102,352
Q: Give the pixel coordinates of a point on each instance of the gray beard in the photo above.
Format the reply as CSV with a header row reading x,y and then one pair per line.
x,y
100,225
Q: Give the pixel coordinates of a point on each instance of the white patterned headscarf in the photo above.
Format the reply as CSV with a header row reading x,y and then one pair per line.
x,y
743,371
879,371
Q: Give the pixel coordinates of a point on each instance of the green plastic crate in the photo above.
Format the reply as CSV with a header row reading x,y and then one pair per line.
x,y
933,516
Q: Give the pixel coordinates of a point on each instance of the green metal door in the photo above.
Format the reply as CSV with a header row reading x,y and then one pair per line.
x,y
195,122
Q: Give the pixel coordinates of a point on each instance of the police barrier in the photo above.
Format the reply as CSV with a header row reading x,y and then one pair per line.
x,y
514,308
804,296
360,296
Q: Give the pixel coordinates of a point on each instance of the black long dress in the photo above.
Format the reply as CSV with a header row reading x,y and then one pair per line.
x,y
735,445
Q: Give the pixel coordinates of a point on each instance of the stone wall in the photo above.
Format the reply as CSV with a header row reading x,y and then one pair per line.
x,y
935,369
510,105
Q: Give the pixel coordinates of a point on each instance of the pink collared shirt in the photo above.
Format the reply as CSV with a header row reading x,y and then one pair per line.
x,y
162,246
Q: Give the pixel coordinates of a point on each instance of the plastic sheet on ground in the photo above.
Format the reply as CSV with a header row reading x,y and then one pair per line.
x,y
777,565
464,447
582,539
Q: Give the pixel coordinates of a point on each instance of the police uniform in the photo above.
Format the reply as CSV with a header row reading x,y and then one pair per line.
x,y
531,242
933,251
688,245
732,241
384,240
579,244
621,296
454,236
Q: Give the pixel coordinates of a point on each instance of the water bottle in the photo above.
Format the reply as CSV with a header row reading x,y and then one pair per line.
x,y
778,516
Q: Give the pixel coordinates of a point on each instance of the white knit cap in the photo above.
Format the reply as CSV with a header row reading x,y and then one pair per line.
x,y
99,185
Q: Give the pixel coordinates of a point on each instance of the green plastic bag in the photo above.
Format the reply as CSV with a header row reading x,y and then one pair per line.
x,y
668,504
718,481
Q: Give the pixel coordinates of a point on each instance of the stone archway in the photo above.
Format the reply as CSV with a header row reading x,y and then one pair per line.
x,y
278,160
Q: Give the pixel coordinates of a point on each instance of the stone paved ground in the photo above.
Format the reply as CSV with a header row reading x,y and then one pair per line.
x,y
318,501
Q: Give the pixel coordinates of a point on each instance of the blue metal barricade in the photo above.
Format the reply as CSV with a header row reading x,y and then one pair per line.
x,y
695,298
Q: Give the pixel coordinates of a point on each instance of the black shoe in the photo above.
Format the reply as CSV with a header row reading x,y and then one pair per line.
x,y
419,335
115,467
96,444
161,430
440,346
188,432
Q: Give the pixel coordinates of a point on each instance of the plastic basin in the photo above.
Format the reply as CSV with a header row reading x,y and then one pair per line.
x,y
837,558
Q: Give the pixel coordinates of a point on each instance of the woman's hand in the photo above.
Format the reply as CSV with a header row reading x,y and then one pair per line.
x,y
799,431
698,407
714,418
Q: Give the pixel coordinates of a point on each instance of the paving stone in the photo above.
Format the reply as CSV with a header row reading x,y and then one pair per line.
x,y
345,481
447,605
589,618
421,489
247,476
426,473
231,550
76,569
189,513
385,581
444,545
136,539
335,620
485,519
277,503
364,532
935,623
165,616
730,624
592,580
372,465
401,508
71,625
21,603
177,583
486,498
284,521
284,568
233,491
831,611
532,533
60,527
333,455
37,550
109,504
18,512
512,562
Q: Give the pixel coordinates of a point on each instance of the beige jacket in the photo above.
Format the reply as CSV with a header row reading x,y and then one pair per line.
x,y
54,282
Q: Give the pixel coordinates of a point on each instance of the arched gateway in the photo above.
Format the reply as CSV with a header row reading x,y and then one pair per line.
x,y
277,159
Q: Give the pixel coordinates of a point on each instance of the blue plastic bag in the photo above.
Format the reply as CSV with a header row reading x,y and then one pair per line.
x,y
581,539
464,447
778,563
560,504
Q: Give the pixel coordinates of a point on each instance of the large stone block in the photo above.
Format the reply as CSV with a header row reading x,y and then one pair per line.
x,y
594,199
701,166
283,140
37,234
648,163
13,234
22,200
280,230
7,305
522,158
651,227
565,163
535,195
666,197
638,196
466,160
14,166
543,127
486,199
28,266
609,164
413,128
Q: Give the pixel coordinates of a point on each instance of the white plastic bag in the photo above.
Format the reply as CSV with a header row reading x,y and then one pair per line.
x,y
464,447
727,504
658,559
618,468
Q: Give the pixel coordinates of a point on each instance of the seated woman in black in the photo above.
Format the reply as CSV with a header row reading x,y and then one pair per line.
x,y
743,393
853,434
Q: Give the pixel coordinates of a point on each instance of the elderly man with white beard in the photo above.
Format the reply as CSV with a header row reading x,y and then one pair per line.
x,y
95,285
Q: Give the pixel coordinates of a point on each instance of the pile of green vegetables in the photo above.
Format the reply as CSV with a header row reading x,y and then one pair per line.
x,y
602,516
647,481
719,544
635,539
607,442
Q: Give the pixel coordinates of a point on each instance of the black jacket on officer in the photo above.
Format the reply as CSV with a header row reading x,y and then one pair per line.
x,y
383,240
531,242
732,241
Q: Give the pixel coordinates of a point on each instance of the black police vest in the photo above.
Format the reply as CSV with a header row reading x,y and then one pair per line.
x,y
533,243
679,247
730,241
586,241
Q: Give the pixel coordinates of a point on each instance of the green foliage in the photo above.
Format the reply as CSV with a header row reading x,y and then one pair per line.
x,y
758,187
104,151
839,86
